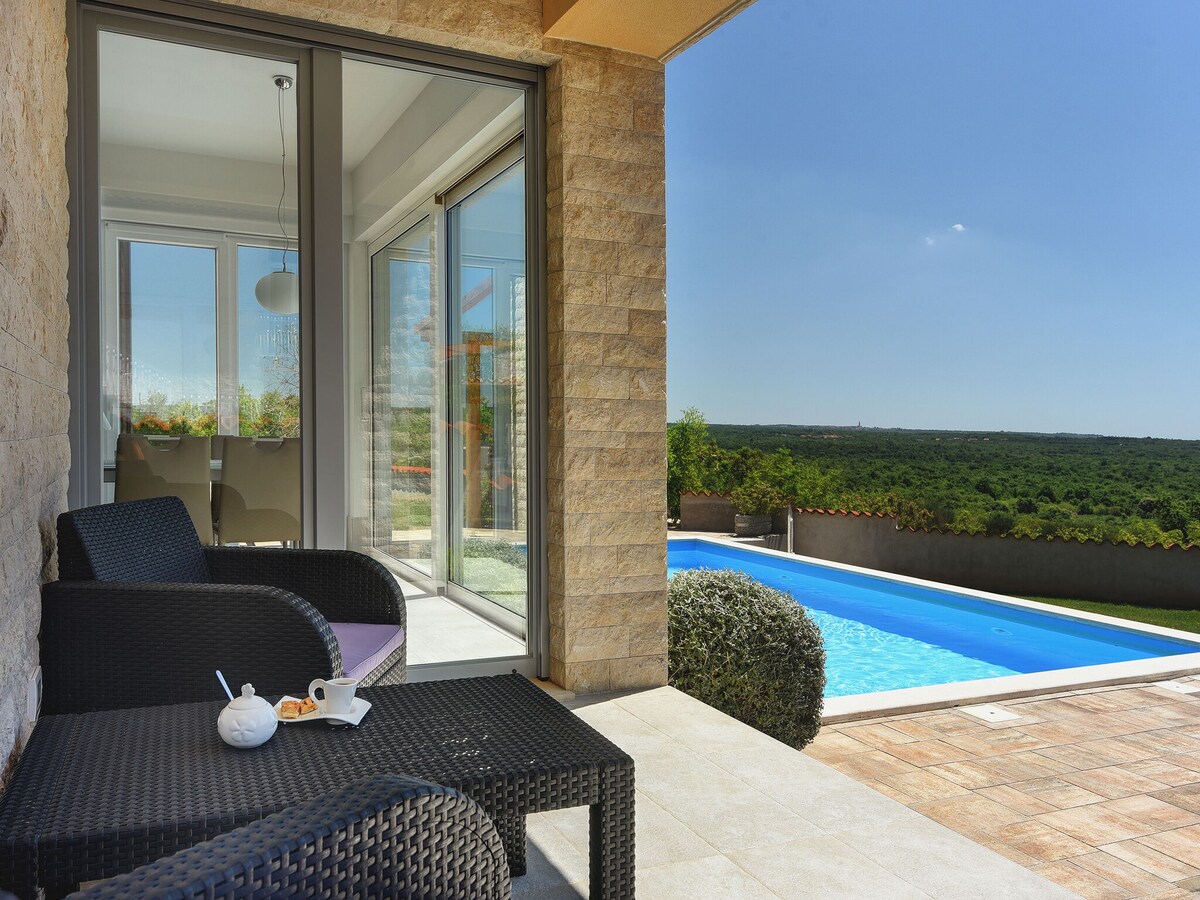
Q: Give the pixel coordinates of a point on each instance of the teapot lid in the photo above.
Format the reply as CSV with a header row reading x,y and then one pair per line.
x,y
247,700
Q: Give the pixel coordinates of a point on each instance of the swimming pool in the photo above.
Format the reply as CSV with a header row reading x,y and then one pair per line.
x,y
891,633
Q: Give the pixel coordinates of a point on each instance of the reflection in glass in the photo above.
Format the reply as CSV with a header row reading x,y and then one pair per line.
x,y
487,391
167,299
268,352
406,334
195,190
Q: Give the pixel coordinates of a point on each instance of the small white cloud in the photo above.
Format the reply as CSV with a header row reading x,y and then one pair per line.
x,y
958,227
929,242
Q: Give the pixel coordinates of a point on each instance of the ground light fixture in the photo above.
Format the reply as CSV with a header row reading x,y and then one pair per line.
x,y
279,292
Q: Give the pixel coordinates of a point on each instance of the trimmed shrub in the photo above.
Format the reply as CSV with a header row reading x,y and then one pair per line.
x,y
748,650
481,548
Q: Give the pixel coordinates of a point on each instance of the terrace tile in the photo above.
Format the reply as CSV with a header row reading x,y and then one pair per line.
x,y
1098,790
993,743
925,786
821,867
1138,854
742,815
927,753
969,812
1183,844
1165,772
880,736
1039,841
1113,782
931,857
1186,797
1153,811
1082,882
1017,800
1164,740
1057,792
1095,824
712,876
872,764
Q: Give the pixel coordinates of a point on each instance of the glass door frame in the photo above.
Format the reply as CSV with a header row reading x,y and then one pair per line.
x,y
429,211
316,49
479,177
446,527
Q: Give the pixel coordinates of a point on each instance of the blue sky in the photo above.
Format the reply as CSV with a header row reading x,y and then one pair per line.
x,y
938,214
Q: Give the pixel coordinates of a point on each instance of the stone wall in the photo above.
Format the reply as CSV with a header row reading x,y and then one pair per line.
x,y
606,313
1150,576
34,453
706,512
607,357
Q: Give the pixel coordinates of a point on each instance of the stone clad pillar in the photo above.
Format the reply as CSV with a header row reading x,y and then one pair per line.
x,y
606,313
34,451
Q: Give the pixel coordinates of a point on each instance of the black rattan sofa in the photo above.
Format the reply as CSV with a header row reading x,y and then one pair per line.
x,y
142,613
387,836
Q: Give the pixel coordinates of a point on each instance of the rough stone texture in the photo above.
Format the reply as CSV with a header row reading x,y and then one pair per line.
x,y
607,324
34,453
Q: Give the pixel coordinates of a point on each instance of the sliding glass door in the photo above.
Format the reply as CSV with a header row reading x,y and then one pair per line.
x,y
406,413
196,152
282,240
437,266
487,540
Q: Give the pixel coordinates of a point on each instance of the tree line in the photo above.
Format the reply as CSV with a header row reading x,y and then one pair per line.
x,y
1081,487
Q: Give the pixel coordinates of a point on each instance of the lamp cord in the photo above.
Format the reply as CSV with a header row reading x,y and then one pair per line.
x,y
287,241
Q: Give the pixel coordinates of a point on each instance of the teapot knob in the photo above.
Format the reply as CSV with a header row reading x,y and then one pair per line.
x,y
247,690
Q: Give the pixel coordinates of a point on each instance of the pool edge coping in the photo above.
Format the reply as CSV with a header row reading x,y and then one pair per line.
x,y
984,690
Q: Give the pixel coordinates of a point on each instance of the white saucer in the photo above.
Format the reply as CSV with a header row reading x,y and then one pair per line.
x,y
358,709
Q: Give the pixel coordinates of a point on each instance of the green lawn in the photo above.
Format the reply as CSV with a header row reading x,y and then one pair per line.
x,y
1183,619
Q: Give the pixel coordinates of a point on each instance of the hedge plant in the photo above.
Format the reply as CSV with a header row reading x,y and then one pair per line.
x,y
748,650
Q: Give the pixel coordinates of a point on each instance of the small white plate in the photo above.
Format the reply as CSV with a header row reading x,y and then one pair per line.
x,y
358,709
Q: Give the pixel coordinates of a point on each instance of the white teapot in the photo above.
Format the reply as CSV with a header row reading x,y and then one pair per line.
x,y
247,721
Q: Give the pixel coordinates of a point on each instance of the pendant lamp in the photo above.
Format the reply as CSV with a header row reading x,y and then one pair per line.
x,y
279,292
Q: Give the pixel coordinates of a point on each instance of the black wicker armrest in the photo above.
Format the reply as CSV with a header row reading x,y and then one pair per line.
x,y
387,836
345,586
114,645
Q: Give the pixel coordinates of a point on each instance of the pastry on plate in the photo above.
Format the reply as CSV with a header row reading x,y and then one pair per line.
x,y
289,709
308,705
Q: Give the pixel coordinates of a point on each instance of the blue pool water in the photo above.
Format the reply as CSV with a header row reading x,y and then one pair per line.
x,y
881,634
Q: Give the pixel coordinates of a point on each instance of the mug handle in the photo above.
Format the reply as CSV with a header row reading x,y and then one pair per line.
x,y
312,688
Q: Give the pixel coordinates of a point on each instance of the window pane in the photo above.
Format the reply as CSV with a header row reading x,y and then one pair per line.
x,y
405,341
169,323
268,351
487,413
197,152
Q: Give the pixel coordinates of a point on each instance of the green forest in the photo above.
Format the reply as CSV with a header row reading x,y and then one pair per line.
x,y
1084,487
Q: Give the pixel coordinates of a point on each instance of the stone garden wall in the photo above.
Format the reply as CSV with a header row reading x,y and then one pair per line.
x,y
1151,576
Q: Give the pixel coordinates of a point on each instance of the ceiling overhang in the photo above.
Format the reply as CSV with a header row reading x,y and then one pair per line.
x,y
656,28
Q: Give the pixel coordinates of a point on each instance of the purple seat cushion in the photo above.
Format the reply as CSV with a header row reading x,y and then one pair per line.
x,y
365,647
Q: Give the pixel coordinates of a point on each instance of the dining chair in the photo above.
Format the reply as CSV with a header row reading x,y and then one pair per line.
x,y
165,466
257,499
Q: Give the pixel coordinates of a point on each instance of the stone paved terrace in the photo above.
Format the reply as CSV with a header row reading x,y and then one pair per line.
x,y
723,811
1097,790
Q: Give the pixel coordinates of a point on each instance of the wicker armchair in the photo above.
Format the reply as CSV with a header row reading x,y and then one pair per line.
x,y
143,614
388,836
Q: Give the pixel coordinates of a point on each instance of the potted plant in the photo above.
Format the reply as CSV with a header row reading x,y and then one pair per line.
x,y
754,503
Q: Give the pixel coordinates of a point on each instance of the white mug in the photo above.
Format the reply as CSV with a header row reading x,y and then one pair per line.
x,y
339,693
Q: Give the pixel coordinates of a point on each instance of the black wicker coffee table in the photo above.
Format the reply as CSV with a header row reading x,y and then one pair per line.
x,y
101,793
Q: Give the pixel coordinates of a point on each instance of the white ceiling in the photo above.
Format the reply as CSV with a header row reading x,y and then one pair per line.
x,y
373,98
189,99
